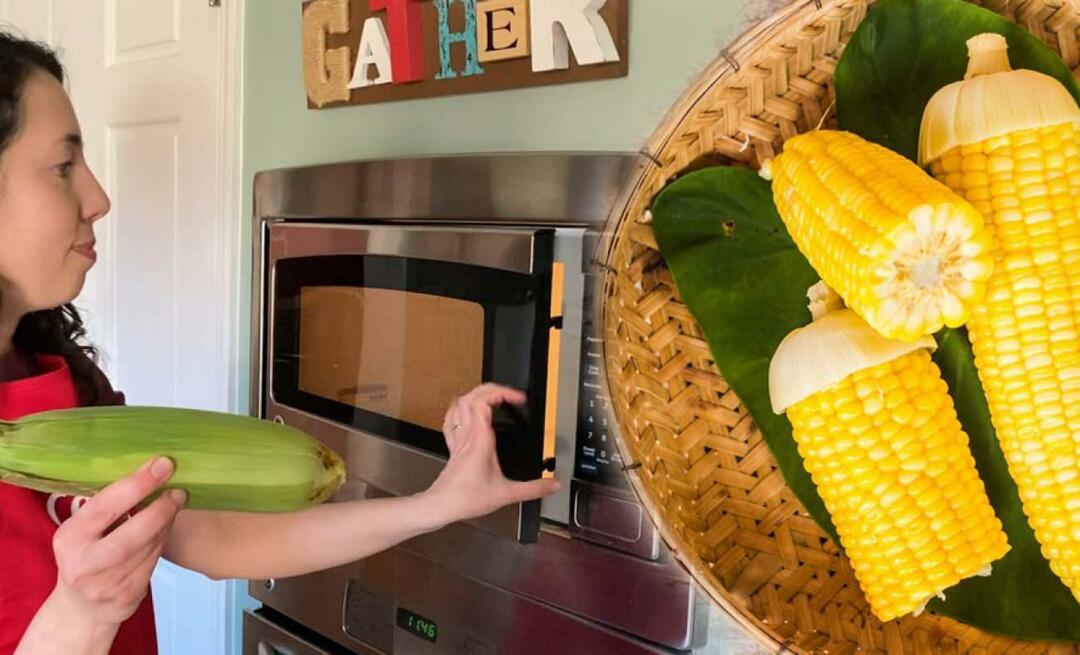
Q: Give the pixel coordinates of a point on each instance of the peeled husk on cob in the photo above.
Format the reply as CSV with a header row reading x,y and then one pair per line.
x,y
223,461
878,433
1007,141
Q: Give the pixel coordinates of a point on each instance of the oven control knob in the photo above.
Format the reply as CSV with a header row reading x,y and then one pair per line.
x,y
269,584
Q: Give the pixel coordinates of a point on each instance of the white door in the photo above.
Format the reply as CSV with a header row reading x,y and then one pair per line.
x,y
154,83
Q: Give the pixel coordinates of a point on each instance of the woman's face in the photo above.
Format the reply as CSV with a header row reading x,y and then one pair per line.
x,y
49,201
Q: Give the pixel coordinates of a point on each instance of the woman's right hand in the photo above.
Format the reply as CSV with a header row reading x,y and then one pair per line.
x,y
105,567
472,482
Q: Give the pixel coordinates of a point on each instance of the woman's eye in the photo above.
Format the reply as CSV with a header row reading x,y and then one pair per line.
x,y
64,169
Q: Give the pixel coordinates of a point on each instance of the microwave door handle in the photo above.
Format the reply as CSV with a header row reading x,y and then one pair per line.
x,y
267,648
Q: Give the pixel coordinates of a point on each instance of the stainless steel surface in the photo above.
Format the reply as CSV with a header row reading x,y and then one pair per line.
x,y
568,250
568,189
614,518
262,637
395,468
561,189
501,248
654,600
356,605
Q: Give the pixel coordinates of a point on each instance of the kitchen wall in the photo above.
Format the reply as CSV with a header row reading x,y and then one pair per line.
x,y
671,41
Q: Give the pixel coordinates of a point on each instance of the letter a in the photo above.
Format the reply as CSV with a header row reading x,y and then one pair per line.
x,y
374,51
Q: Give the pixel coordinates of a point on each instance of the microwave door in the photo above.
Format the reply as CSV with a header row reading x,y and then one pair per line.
x,y
375,331
525,437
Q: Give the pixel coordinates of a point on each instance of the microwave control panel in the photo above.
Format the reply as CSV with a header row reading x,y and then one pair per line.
x,y
597,456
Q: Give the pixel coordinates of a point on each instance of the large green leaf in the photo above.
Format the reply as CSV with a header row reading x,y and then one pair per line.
x,y
905,50
725,243
745,282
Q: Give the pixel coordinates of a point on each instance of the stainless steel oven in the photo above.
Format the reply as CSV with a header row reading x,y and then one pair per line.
x,y
382,290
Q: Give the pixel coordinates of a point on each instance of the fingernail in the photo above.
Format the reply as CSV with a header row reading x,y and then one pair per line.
x,y
161,467
178,496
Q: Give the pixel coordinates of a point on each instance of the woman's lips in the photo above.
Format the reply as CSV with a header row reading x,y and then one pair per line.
x,y
86,250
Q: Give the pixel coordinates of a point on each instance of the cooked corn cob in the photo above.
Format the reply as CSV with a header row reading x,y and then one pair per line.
x,y
1007,140
903,251
878,433
223,461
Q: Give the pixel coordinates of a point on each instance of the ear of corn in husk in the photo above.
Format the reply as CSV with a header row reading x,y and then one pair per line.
x,y
223,461
878,433
905,253
1007,140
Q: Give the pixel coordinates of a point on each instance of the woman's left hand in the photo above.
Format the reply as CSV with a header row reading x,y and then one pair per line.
x,y
472,484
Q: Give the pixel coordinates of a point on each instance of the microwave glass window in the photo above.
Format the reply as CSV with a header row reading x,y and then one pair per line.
x,y
383,344
400,354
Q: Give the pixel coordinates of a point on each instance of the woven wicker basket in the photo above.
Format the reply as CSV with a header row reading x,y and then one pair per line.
x,y
699,464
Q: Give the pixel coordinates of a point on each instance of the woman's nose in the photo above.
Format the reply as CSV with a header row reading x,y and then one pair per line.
x,y
95,202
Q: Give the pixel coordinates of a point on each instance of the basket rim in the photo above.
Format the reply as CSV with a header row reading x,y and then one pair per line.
x,y
730,61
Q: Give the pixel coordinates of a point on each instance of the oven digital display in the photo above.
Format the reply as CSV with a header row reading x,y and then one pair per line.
x,y
413,623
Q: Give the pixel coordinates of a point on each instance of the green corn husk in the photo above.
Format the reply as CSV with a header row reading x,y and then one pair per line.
x,y
223,461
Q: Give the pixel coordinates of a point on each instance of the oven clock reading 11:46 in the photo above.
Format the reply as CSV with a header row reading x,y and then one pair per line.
x,y
417,625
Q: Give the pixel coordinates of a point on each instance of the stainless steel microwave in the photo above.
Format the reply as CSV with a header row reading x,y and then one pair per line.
x,y
381,291
378,328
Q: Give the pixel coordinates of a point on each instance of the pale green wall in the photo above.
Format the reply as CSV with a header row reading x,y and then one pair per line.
x,y
671,41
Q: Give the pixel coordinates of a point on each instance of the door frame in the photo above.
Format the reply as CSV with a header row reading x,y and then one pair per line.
x,y
234,598
232,224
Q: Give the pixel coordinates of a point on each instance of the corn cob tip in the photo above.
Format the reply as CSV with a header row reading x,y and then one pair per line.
x,y
823,300
937,270
987,53
836,344
766,171
1004,101
921,608
903,251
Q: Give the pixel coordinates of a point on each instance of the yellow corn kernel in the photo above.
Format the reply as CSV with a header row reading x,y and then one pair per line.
x,y
903,502
902,250
1025,334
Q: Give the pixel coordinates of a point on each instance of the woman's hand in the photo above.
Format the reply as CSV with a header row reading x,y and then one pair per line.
x,y
105,568
472,484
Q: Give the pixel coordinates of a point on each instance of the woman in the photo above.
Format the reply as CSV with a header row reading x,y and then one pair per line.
x,y
77,582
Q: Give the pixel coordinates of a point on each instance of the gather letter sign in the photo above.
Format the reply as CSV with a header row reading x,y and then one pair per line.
x,y
366,51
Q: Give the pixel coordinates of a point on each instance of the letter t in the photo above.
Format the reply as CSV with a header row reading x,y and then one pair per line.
x,y
406,38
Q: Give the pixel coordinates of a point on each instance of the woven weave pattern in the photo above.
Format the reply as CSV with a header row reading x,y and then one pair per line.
x,y
705,474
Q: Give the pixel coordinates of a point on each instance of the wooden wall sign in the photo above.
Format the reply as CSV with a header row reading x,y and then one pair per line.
x,y
366,51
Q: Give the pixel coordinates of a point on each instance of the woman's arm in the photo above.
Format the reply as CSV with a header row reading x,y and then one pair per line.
x,y
256,546
59,627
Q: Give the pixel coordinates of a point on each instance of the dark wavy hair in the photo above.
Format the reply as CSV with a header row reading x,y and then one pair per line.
x,y
57,331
